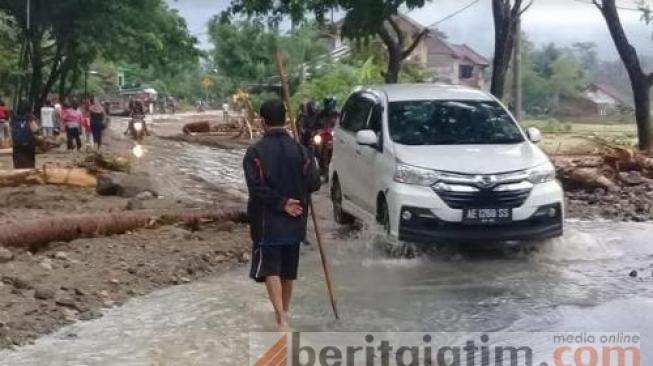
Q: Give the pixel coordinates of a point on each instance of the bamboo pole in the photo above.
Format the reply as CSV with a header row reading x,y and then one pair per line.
x,y
325,264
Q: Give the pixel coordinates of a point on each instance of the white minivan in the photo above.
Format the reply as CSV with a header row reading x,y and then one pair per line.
x,y
439,162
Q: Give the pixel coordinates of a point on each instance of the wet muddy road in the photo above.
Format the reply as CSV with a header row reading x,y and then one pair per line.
x,y
579,282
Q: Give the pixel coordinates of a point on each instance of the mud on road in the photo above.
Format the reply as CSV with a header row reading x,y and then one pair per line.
x,y
44,290
65,282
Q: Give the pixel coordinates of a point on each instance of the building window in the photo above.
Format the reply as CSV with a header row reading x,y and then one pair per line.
x,y
465,71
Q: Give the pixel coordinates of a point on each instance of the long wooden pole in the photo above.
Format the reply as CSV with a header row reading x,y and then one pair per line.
x,y
293,124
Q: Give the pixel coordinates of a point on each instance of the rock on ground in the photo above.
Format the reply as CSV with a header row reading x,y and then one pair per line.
x,y
5,255
124,185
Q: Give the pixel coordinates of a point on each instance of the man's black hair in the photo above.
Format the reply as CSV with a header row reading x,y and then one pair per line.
x,y
23,108
274,113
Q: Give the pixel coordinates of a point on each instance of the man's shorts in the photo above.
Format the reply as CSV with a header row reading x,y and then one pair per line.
x,y
275,260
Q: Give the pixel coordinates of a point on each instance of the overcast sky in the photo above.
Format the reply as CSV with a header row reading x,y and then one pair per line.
x,y
561,21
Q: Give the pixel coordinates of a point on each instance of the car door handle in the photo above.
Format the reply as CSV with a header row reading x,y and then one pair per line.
x,y
341,141
358,151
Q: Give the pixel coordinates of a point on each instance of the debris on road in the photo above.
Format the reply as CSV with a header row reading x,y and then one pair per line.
x,y
78,177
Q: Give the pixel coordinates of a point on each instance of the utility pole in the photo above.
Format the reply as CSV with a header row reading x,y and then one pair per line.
x,y
517,100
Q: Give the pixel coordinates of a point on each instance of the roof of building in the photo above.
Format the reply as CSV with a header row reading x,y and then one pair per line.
x,y
464,51
461,51
612,92
400,92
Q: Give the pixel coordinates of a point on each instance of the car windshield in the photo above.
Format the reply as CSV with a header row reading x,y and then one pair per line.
x,y
428,122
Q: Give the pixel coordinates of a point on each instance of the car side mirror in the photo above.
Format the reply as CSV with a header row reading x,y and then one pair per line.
x,y
367,138
534,135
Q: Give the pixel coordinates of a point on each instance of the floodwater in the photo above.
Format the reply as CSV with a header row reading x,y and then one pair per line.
x,y
579,282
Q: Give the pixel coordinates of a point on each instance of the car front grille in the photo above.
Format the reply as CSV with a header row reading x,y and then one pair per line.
x,y
485,198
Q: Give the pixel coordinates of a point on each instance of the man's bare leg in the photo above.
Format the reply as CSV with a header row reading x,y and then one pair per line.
x,y
275,292
286,289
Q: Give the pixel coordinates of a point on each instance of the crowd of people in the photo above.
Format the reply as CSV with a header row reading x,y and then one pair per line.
x,y
80,122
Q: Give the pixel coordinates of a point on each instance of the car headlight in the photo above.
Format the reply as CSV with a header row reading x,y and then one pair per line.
x,y
138,126
317,139
541,174
413,175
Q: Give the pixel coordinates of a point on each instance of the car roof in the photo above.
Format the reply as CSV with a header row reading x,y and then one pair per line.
x,y
402,92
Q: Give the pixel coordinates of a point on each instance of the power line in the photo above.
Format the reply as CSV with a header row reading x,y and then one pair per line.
x,y
474,2
618,7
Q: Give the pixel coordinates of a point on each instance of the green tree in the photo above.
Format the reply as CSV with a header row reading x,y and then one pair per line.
x,y
243,53
364,20
566,75
588,56
62,38
9,59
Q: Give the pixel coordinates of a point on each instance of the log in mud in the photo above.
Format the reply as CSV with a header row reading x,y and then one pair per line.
x,y
37,233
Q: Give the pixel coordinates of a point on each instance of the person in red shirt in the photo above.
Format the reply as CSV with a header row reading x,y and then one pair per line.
x,y
4,124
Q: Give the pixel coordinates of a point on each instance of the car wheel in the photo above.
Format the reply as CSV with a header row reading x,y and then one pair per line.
x,y
384,217
339,215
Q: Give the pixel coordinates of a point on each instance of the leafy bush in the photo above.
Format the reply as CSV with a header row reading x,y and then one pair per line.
x,y
550,125
337,80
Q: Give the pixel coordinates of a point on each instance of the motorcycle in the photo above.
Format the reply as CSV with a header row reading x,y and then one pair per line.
x,y
323,146
137,130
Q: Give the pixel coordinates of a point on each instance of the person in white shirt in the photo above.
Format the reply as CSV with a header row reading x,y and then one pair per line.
x,y
47,119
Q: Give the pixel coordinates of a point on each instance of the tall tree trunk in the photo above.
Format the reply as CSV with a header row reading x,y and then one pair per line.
x,y
397,53
55,70
394,67
639,80
641,93
37,73
505,17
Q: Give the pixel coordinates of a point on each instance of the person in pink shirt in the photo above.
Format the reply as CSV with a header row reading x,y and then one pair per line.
x,y
72,123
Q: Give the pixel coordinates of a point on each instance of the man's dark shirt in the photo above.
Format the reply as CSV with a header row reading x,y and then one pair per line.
x,y
277,169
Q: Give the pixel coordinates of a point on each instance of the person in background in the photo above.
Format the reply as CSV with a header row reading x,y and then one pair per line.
x,y
58,113
107,111
281,175
96,114
72,123
4,124
23,130
86,123
47,119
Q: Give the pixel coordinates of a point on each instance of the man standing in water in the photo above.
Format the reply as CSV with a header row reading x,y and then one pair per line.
x,y
281,175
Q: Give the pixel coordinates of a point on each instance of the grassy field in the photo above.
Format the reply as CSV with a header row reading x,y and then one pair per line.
x,y
575,138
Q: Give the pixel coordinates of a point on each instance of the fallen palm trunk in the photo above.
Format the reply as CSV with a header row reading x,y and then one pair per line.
x,y
38,233
48,175
197,127
593,177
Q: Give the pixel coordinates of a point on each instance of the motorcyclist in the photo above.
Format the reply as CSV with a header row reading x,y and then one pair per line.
x,y
137,114
329,115
308,121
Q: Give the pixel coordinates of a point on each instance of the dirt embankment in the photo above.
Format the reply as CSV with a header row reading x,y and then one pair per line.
x,y
44,290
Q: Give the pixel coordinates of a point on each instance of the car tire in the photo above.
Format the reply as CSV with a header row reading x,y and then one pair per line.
x,y
339,215
384,217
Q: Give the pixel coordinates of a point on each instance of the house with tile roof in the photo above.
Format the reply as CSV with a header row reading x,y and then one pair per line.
x,y
445,61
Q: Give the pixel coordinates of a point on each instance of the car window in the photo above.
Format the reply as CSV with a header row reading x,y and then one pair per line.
x,y
345,121
441,122
376,118
356,114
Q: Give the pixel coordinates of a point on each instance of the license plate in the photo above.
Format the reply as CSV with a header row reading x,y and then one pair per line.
x,y
487,216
